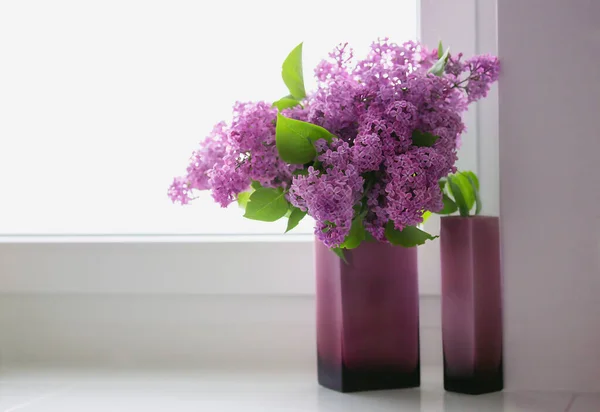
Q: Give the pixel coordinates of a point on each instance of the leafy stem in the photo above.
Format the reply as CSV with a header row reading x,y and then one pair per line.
x,y
471,76
370,179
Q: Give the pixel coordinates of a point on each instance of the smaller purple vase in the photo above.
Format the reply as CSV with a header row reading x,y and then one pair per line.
x,y
367,318
471,304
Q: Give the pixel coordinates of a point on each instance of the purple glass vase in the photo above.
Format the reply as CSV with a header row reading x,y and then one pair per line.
x,y
471,304
367,318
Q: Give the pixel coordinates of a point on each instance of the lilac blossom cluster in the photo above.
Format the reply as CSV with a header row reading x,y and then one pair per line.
x,y
231,157
374,169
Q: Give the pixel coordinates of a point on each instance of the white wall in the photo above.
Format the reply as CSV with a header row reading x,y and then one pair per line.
x,y
550,192
173,330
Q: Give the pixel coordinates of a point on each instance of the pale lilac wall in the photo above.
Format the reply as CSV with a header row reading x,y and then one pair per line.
x,y
549,119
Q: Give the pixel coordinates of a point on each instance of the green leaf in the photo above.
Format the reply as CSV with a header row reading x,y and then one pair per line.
x,y
291,72
356,234
340,253
426,215
300,172
286,103
267,204
423,139
242,198
442,184
475,185
369,237
295,139
295,217
410,236
255,185
459,198
440,50
449,206
440,65
478,204
466,188
472,176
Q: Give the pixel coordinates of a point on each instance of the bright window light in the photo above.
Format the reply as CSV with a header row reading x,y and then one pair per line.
x,y
103,102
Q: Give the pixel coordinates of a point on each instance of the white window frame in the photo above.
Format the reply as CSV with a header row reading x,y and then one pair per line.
x,y
250,265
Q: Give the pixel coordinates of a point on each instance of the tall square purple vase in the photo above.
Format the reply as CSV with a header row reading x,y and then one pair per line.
x,y
367,318
471,304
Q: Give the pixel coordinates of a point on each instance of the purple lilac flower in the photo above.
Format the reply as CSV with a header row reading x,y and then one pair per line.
x,y
474,75
484,70
375,107
231,157
179,191
377,216
412,186
329,198
454,66
208,156
251,154
367,152
372,106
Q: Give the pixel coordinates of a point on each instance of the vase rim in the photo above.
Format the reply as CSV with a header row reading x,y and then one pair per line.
x,y
476,217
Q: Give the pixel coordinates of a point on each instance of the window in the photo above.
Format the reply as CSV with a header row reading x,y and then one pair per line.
x,y
103,102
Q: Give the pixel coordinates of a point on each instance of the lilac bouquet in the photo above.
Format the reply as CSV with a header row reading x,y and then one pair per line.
x,y
363,154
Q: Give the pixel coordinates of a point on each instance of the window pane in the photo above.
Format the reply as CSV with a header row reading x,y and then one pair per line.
x,y
102,102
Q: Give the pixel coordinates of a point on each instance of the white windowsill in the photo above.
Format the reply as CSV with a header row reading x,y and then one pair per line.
x,y
208,265
32,390
242,332
155,238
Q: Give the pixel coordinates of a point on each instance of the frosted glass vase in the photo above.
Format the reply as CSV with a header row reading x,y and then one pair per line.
x,y
471,304
368,318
